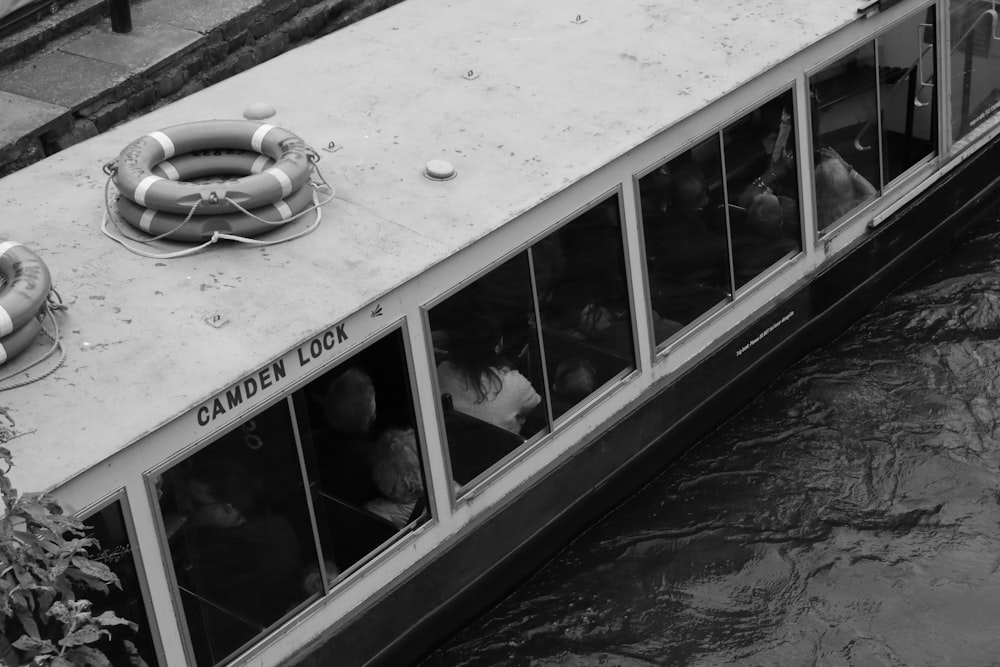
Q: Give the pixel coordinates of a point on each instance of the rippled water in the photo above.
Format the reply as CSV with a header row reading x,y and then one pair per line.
x,y
849,516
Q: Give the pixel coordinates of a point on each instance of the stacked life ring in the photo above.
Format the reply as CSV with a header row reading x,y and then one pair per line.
x,y
23,297
191,181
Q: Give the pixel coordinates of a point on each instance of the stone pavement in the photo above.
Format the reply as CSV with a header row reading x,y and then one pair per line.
x,y
69,77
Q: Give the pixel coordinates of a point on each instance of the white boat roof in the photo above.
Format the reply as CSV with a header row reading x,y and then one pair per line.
x,y
391,91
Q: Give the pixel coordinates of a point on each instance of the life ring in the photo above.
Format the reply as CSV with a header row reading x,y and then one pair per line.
x,y
216,162
27,284
18,341
133,173
201,227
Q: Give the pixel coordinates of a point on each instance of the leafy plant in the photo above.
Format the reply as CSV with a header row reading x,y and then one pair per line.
x,y
44,564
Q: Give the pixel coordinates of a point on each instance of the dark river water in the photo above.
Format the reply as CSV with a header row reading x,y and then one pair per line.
x,y
849,516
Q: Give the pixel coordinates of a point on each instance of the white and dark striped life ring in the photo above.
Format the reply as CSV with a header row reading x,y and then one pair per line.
x,y
135,177
199,228
26,286
18,341
214,162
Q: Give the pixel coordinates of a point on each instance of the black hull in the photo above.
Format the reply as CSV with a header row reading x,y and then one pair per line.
x,y
500,551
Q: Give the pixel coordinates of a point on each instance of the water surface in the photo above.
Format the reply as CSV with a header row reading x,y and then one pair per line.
x,y
849,516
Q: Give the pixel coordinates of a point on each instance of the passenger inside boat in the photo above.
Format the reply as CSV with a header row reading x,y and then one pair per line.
x,y
348,418
344,444
575,379
688,263
243,560
397,475
844,102
765,239
839,187
584,300
763,212
480,381
590,309
312,577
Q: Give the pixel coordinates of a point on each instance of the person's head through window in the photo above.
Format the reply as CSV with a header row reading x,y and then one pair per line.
x,y
574,380
349,402
312,578
223,494
764,216
475,350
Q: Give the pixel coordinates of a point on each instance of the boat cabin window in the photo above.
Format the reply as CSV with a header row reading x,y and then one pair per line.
x,y
707,235
252,538
363,457
762,187
975,64
684,227
874,116
844,113
123,646
586,321
907,74
524,344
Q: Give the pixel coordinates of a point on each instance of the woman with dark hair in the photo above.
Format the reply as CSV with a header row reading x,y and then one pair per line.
x,y
480,382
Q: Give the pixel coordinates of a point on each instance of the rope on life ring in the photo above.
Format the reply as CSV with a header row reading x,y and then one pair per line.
x,y
133,173
198,228
220,162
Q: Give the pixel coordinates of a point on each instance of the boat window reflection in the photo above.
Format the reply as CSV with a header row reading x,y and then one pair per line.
x,y
684,225
362,453
975,64
489,368
123,646
240,535
906,83
845,135
763,188
584,303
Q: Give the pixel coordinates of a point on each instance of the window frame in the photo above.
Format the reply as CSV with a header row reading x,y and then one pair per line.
x,y
499,468
120,496
399,542
705,320
875,211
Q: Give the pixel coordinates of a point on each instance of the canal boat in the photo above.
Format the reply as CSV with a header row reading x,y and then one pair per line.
x,y
552,244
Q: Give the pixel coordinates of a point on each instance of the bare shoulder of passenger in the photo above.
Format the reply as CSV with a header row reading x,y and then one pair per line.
x,y
516,382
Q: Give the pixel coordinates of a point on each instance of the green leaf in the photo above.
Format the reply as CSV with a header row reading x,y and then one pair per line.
x,y
94,568
27,538
24,577
109,618
88,656
28,623
91,582
84,635
26,643
59,611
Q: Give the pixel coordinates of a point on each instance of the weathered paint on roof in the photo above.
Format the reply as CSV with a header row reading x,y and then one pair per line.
x,y
550,100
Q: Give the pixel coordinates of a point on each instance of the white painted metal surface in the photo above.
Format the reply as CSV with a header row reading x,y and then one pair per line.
x,y
528,121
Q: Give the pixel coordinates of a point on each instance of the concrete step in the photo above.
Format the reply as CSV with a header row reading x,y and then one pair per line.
x,y
82,82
